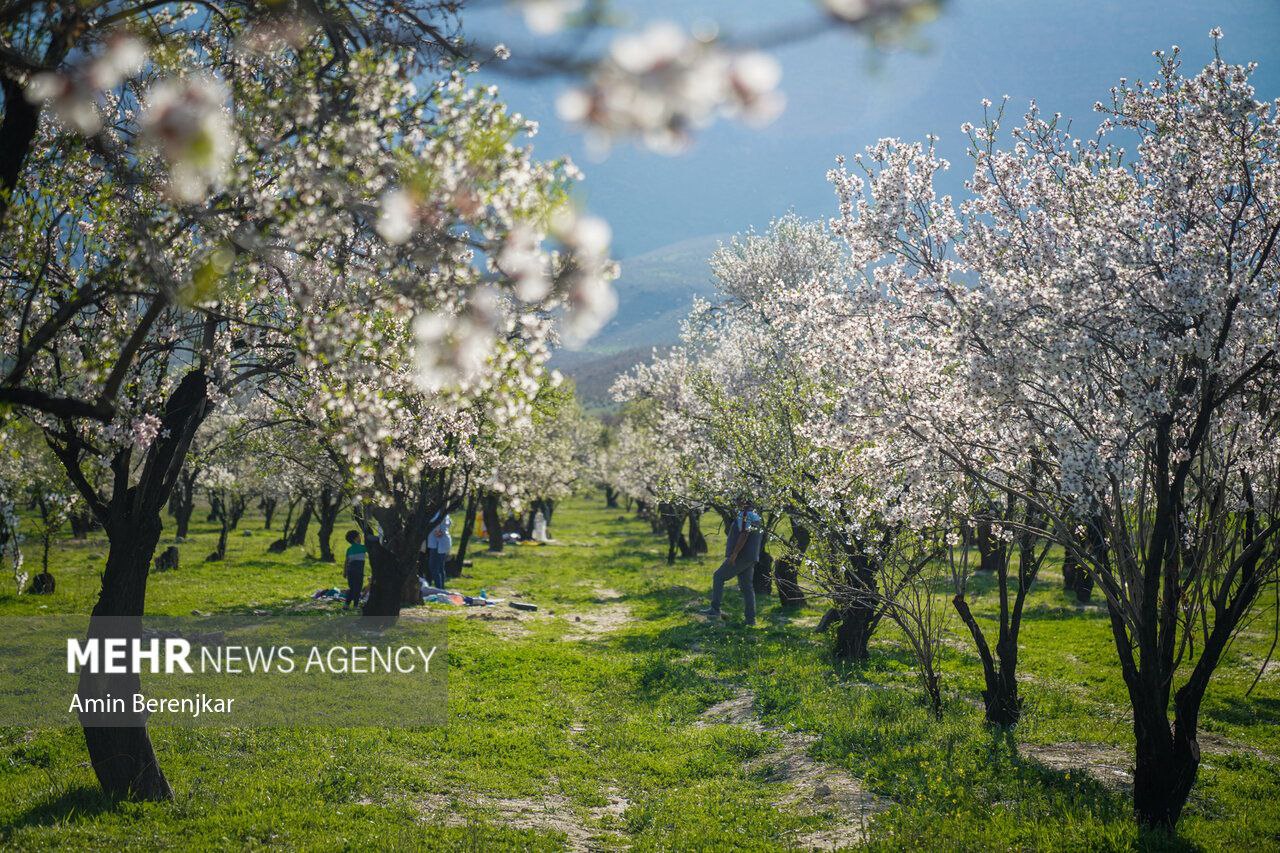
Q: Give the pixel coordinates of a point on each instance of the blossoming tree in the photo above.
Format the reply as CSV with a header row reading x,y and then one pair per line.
x,y
1097,333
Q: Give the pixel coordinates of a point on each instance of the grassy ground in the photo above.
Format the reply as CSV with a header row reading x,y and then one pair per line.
x,y
615,717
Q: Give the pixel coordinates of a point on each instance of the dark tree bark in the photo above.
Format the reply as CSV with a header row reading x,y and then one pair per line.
x,y
853,632
236,506
993,550
787,570
1070,568
393,558
454,567
857,612
123,758
279,545
298,535
697,540
672,519
1082,583
492,521
268,507
762,578
610,497
228,508
220,550
82,523
182,503
1001,701
327,510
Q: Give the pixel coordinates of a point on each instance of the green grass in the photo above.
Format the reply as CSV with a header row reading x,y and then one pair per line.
x,y
538,717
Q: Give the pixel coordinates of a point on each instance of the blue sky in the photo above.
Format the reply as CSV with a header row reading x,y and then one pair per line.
x,y
843,95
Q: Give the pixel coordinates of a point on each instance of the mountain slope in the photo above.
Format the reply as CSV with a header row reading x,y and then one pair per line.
x,y
655,292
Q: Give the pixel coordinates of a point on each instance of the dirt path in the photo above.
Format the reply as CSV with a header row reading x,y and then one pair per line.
x,y
584,829
811,787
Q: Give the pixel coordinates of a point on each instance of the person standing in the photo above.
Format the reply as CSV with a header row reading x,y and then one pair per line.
x,y
742,550
439,544
353,568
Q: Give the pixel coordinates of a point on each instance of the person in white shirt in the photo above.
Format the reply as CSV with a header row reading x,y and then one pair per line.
x,y
438,545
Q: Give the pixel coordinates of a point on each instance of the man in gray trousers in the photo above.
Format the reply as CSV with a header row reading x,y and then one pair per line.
x,y
742,550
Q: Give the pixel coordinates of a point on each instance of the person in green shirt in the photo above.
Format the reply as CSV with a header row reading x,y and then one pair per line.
x,y
354,568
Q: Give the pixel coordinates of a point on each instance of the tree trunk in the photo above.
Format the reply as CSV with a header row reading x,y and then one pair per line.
x,y
298,536
82,523
672,519
453,568
327,513
1070,567
183,517
1083,583
1002,705
1168,760
388,574
787,571
853,634
235,509
610,497
268,507
393,560
762,579
858,612
991,548
220,551
697,540
492,522
122,757
182,503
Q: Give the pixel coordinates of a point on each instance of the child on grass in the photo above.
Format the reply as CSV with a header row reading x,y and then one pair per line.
x,y
353,568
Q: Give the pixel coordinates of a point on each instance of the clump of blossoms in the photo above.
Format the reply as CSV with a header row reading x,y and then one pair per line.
x,y
186,120
75,94
662,83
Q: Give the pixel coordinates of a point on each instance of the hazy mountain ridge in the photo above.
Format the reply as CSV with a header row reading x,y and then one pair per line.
x,y
655,292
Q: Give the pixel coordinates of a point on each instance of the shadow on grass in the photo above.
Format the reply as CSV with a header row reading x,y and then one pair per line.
x,y
82,801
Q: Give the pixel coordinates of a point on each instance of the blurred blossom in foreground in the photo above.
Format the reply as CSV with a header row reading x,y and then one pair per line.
x,y
590,300
548,16
398,216
522,260
859,11
188,124
74,96
662,83
449,351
